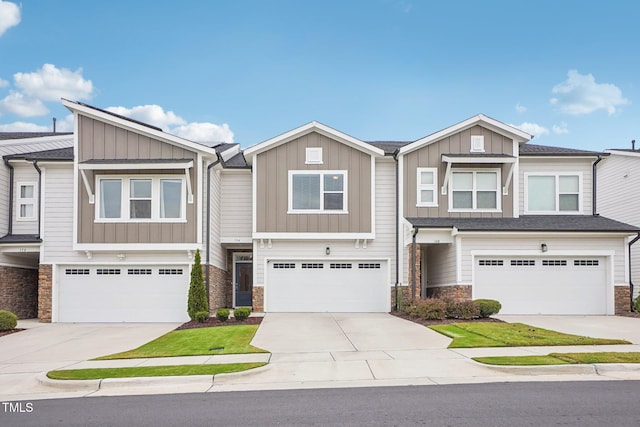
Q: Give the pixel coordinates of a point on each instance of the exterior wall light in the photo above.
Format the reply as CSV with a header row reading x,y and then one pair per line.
x,y
543,247
327,250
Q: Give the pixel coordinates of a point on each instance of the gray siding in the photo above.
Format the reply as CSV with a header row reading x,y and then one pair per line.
x,y
235,204
218,254
272,187
98,140
430,156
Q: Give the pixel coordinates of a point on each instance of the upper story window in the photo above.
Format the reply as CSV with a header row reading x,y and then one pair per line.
x,y
313,156
26,201
553,193
317,192
477,143
140,199
427,195
475,190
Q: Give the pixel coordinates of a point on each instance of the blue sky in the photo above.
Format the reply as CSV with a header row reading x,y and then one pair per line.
x,y
245,71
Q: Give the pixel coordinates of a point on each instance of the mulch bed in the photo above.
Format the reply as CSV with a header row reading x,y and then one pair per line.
x,y
3,333
212,322
426,322
629,314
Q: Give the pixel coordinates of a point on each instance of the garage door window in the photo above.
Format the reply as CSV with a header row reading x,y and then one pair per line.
x,y
313,192
169,271
586,262
554,262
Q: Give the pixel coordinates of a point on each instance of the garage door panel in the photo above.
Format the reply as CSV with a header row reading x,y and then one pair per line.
x,y
319,286
543,285
123,294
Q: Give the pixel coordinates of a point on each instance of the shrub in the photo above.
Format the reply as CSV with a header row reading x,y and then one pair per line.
x,y
222,314
451,307
197,300
430,309
241,313
488,307
8,320
467,310
201,316
636,305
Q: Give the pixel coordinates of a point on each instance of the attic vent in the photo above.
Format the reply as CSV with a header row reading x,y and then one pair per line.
x,y
477,143
314,156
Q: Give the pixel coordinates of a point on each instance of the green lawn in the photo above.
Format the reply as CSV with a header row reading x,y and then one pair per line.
x,y
150,371
196,342
561,359
487,334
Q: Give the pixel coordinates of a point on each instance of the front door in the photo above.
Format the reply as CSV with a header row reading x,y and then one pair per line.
x,y
244,284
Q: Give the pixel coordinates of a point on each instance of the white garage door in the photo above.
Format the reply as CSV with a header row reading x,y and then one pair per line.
x,y
543,285
123,293
327,286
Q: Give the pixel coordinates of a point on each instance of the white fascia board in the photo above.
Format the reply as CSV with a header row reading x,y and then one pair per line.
x,y
308,128
125,247
526,156
138,128
136,165
487,122
235,240
314,236
623,153
493,159
230,152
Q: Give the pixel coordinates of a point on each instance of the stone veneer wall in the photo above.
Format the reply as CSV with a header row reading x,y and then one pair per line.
x,y
457,292
45,285
622,298
218,283
258,299
414,269
19,291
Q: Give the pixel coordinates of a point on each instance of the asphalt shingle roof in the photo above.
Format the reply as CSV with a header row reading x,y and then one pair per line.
x,y
539,223
23,135
544,150
389,147
20,238
58,154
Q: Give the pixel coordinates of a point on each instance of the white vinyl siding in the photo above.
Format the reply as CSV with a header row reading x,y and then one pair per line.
x,y
441,264
236,205
218,254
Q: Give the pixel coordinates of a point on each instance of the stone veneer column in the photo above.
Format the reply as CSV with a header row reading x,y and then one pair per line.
x,y
258,298
217,288
416,269
45,286
622,298
19,291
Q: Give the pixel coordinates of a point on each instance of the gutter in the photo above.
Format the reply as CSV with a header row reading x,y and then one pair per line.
x,y
395,158
10,227
35,165
208,237
635,239
593,189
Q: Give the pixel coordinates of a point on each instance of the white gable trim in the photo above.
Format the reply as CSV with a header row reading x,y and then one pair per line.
x,y
313,127
623,153
480,119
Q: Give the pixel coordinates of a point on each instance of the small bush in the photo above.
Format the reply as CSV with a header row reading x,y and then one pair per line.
x,y
430,309
241,313
451,307
8,320
467,310
201,316
488,307
636,305
222,314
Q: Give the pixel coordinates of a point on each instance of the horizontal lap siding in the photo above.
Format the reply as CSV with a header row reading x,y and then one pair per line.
x,y
441,264
235,204
218,257
431,156
273,168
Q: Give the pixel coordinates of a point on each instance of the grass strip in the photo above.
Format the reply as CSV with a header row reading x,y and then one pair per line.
x,y
562,359
150,371
196,342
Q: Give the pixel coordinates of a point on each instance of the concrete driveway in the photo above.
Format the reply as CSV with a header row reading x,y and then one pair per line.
x,y
46,346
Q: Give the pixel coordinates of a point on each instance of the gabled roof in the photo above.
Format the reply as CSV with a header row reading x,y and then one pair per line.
x,y
389,147
58,154
32,144
136,126
480,119
534,223
543,150
313,127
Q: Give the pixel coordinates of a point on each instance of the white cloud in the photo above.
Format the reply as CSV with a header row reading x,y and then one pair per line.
x,y
4,83
152,114
9,16
520,108
66,124
560,129
51,83
580,94
533,129
23,106
23,127
204,132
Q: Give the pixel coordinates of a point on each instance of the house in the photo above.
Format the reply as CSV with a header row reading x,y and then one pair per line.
x,y
315,220
618,178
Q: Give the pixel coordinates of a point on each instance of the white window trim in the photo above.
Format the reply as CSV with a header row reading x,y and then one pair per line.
x,y
557,176
474,190
433,187
155,199
313,156
27,201
477,144
322,173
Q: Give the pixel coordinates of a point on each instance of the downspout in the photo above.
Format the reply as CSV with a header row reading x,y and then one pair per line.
x,y
35,165
395,158
10,227
635,239
413,263
593,194
208,236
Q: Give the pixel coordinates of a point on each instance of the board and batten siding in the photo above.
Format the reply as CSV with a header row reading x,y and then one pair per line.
x,y
24,173
102,141
272,190
554,243
543,165
382,247
618,178
236,204
430,156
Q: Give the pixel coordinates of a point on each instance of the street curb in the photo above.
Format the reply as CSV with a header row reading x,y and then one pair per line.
x,y
242,374
75,385
544,369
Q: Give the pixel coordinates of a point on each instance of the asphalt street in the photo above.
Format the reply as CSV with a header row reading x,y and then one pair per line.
x,y
605,403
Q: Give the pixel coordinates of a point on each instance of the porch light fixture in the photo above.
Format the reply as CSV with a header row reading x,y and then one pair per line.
x,y
327,250
121,256
543,247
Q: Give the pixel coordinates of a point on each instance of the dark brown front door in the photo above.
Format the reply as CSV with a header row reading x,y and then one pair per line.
x,y
244,284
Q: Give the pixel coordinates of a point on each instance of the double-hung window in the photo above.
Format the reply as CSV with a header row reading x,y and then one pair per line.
x,y
317,191
427,185
26,201
475,190
553,193
140,199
